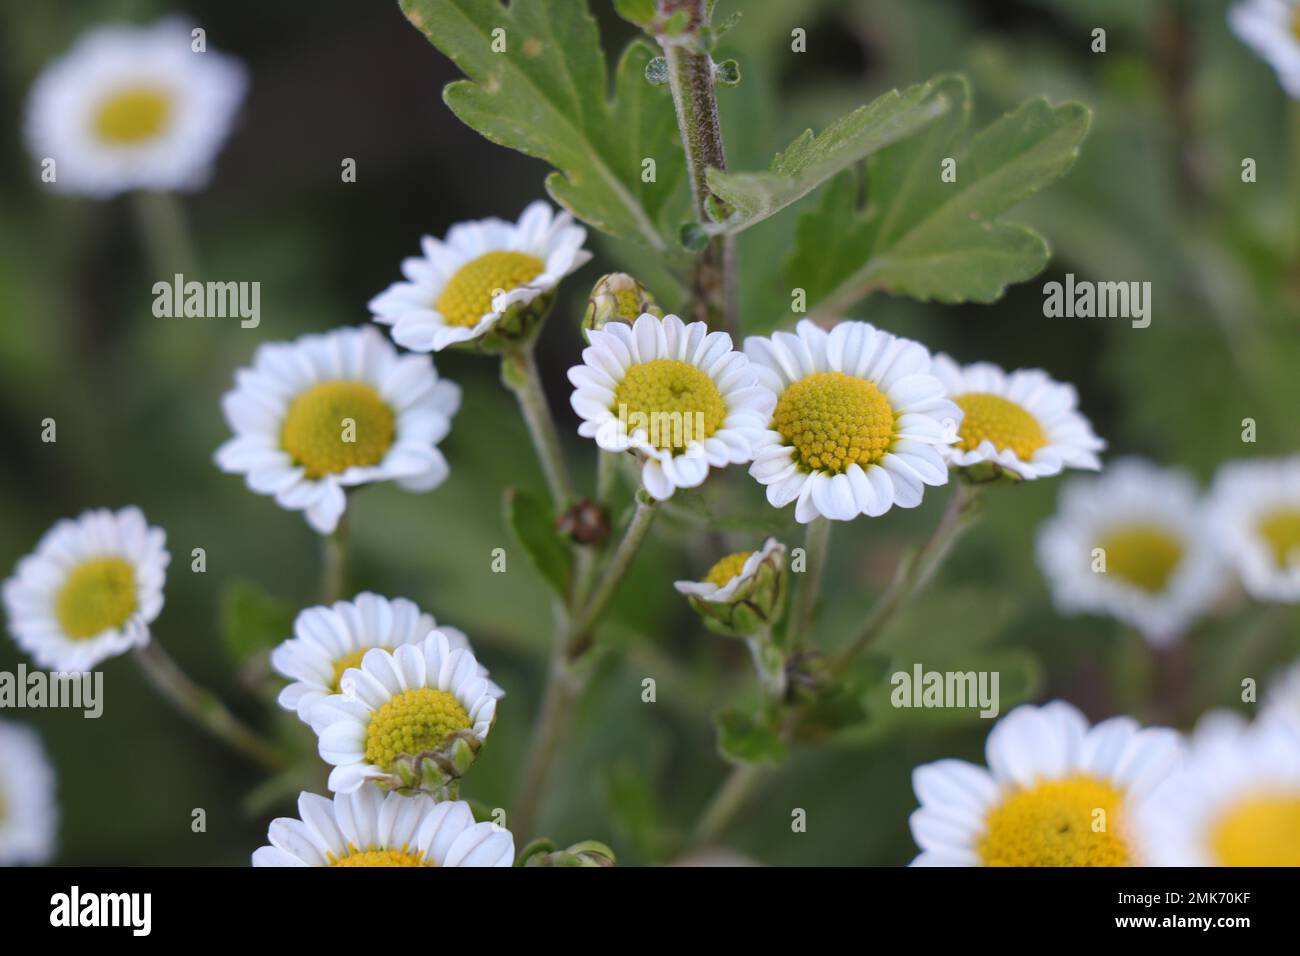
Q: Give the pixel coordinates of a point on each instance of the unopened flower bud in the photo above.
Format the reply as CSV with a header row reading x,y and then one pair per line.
x,y
617,297
743,593
584,523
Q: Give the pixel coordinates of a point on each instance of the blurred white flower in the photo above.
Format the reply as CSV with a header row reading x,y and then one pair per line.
x,y
1255,512
89,591
1272,29
134,108
29,816
1134,544
1056,792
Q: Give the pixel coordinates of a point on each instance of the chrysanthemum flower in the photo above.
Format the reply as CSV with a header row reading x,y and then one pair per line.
x,y
29,815
1133,544
371,828
89,591
1056,793
676,395
859,421
1022,422
483,272
134,108
329,412
329,640
1255,510
419,699
1235,801
1272,28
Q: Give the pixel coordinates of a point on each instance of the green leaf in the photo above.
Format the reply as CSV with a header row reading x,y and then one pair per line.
x,y
812,159
744,737
929,239
252,621
634,810
544,95
533,524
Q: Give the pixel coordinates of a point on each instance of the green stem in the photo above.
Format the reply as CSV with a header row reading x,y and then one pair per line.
x,y
817,541
729,800
691,80
164,230
203,707
915,571
585,620
519,372
566,680
334,561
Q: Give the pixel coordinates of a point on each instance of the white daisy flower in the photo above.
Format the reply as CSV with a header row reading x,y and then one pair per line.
x,y
372,828
463,286
1255,509
1133,544
328,412
732,574
676,395
1235,801
1056,793
89,591
29,816
1022,422
1272,28
328,641
134,108
417,699
859,421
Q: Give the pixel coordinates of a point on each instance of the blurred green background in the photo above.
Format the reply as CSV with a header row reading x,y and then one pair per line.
x,y
1156,196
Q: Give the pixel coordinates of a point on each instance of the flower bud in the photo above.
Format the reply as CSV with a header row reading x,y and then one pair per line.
x,y
743,593
617,297
586,853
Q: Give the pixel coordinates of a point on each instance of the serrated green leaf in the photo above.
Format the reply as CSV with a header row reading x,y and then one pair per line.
x,y
812,159
252,621
744,737
544,95
930,239
533,524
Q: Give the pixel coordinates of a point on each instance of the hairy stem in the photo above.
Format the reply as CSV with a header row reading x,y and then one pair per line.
x,y
586,618
817,541
691,80
914,572
519,372
203,707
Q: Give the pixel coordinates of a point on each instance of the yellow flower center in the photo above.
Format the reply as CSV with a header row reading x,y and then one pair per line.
x,y
1066,822
727,568
675,402
469,293
1280,530
1263,830
413,722
1003,422
334,426
402,857
834,420
133,115
351,660
1143,555
99,595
